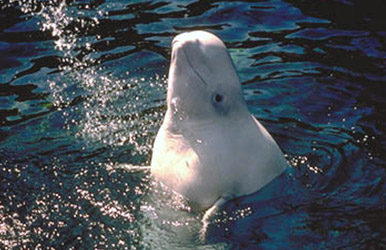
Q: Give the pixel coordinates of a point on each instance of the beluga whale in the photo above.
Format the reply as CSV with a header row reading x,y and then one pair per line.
x,y
209,148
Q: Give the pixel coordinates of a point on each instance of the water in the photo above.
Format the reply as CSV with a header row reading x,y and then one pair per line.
x,y
82,93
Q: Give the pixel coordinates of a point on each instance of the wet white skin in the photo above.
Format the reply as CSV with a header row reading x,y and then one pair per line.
x,y
209,147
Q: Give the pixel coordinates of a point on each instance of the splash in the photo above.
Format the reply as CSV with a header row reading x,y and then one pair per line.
x,y
119,112
100,107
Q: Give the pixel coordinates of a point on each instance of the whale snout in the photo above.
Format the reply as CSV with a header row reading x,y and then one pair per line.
x,y
195,41
188,46
202,53
201,58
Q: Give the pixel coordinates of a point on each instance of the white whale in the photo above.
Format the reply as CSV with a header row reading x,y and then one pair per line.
x,y
210,148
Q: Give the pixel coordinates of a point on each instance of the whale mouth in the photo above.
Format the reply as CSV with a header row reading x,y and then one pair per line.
x,y
181,47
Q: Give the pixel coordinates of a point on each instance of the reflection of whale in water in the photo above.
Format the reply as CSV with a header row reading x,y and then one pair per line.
x,y
209,147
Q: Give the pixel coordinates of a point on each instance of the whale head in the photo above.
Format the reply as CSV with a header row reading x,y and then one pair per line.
x,y
202,78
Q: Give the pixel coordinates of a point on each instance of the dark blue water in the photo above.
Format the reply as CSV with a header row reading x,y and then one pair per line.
x,y
82,94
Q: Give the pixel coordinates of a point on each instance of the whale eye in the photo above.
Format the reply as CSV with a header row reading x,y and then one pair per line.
x,y
218,98
219,103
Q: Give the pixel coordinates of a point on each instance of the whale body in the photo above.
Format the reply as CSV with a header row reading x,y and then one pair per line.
x,y
209,147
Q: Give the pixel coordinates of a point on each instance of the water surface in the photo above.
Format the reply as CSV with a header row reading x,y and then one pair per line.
x,y
82,94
